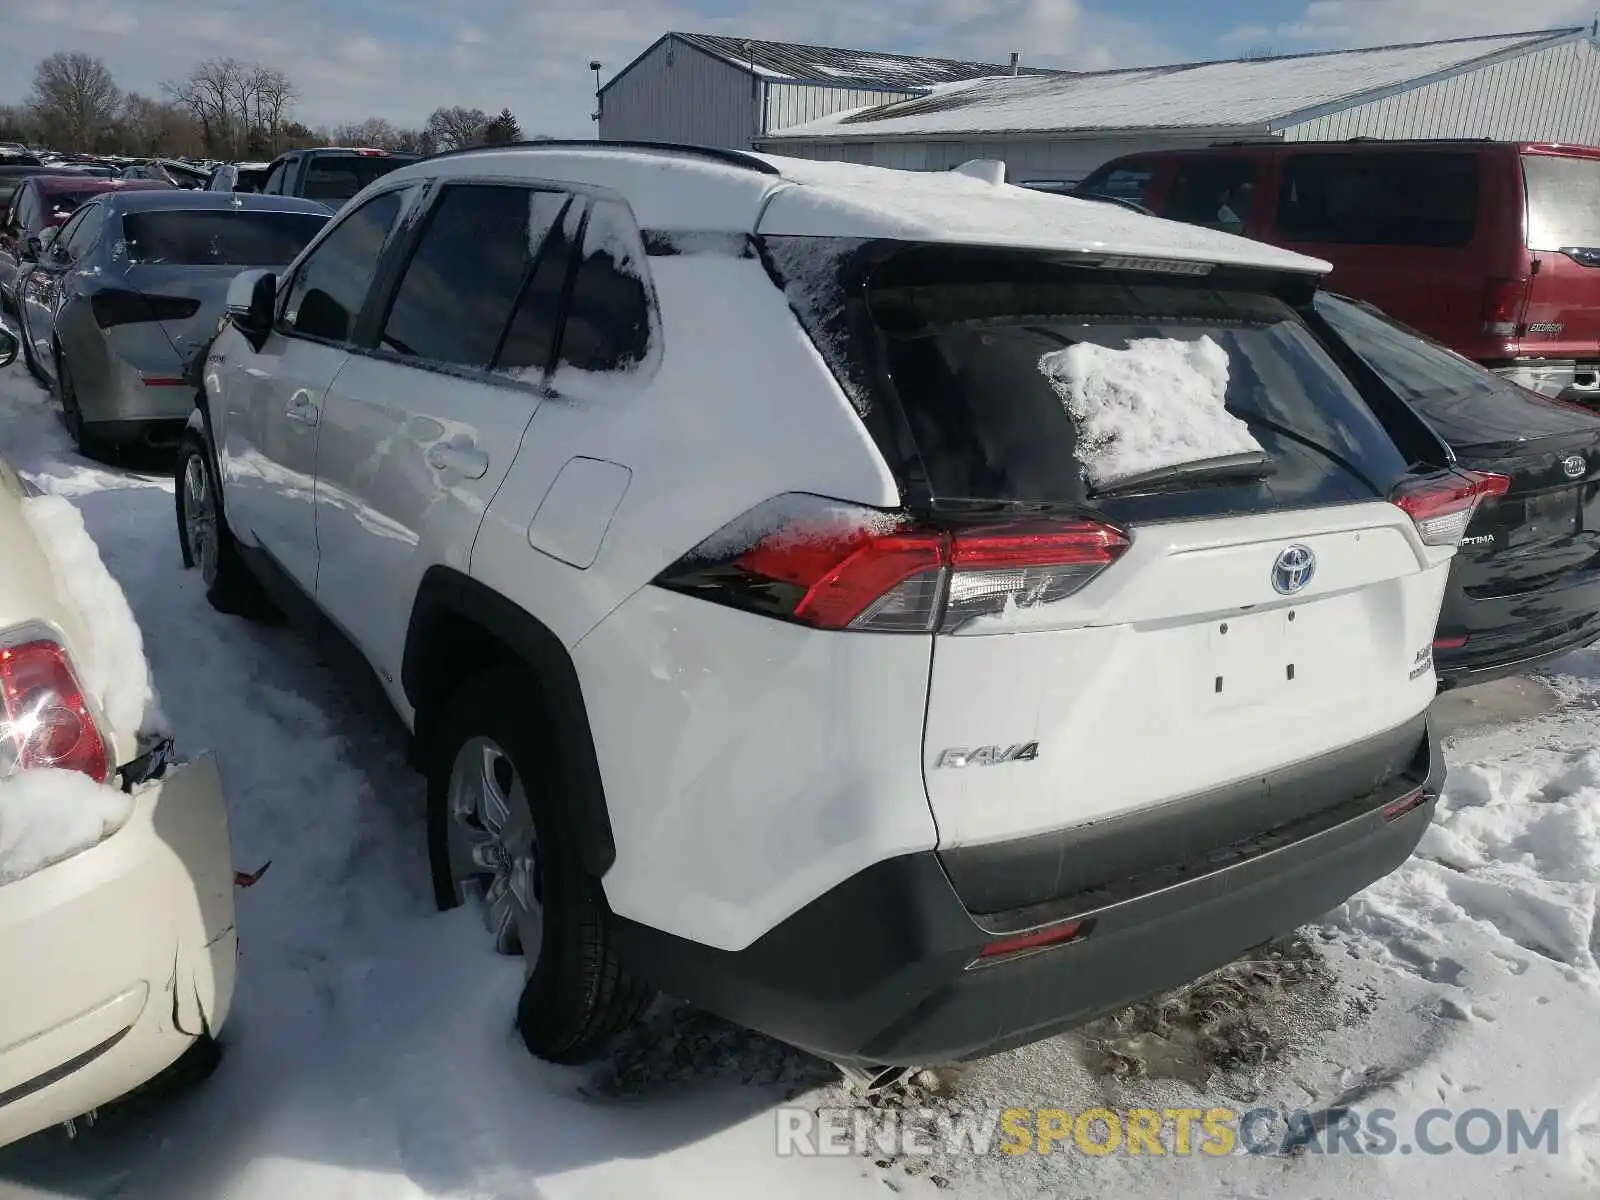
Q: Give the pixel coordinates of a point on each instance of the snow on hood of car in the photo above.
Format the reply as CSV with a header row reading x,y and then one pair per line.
x,y
832,199
48,815
112,666
1158,403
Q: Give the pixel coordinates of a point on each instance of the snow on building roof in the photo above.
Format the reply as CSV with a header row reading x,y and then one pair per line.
x,y
1257,95
842,68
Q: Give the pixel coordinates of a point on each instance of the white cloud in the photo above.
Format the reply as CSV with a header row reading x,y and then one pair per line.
x,y
1382,22
402,58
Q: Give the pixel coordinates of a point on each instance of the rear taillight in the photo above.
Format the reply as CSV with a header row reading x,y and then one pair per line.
x,y
838,566
47,722
1503,303
1442,507
117,306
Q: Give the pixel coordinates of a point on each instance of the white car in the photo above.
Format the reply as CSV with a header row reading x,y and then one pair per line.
x,y
902,612
117,943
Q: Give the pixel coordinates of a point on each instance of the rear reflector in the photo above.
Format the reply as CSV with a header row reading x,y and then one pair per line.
x,y
1442,507
840,566
1449,643
1022,944
1396,809
118,306
161,380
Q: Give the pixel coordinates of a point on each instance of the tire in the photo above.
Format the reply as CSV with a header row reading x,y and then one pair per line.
x,y
577,995
71,412
230,588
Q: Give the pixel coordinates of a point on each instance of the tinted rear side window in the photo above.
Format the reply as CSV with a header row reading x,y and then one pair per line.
x,y
608,316
459,287
954,342
225,238
1409,199
1218,193
1563,201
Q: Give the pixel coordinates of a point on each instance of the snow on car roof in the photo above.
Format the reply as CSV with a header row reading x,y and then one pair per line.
x,y
685,189
848,200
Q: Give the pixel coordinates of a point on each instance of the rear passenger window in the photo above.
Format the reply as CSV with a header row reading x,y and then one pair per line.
x,y
553,223
1215,192
1563,201
331,284
458,290
608,317
1130,181
1379,199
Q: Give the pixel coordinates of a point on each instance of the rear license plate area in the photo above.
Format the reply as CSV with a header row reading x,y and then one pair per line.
x,y
1546,517
1251,657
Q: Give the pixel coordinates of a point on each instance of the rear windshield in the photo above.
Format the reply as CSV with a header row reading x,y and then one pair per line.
x,y
1468,405
62,202
1428,199
338,177
224,238
1563,201
974,350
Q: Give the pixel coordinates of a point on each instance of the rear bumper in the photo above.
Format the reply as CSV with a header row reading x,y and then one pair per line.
x,y
880,969
1507,635
115,959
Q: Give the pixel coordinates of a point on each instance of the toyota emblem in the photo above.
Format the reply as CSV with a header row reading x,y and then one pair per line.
x,y
1574,466
1293,569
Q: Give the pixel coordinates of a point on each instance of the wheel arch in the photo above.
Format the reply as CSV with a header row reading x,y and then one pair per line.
x,y
459,627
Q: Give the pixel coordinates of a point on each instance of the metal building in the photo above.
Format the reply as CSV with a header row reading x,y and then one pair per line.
x,y
728,92
1539,86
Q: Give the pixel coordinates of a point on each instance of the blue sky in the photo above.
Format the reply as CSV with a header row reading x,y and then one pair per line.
x,y
402,58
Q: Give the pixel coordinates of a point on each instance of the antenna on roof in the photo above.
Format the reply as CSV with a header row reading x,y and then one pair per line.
x,y
1016,58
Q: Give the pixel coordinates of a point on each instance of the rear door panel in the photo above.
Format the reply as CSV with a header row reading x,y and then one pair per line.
x,y
1562,319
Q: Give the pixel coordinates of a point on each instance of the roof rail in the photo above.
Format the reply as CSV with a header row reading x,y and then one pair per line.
x,y
733,158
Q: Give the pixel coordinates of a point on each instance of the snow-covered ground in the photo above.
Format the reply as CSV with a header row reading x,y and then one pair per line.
x,y
371,1051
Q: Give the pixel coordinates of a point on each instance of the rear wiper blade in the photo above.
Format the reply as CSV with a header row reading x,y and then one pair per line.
x,y
1246,467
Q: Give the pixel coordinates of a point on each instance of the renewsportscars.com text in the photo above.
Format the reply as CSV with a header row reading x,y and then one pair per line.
x,y
1176,1132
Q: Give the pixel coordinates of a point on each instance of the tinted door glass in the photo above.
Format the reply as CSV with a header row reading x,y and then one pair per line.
x,y
1215,192
1379,199
608,317
274,184
330,286
1468,405
1130,181
537,318
83,231
224,238
1563,201
458,290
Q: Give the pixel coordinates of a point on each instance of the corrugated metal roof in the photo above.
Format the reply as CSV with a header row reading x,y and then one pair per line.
x,y
843,68
1255,95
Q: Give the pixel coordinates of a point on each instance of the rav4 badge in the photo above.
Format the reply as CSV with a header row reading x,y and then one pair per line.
x,y
987,756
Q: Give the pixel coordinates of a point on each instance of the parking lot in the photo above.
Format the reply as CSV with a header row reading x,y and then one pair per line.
x,y
372,1053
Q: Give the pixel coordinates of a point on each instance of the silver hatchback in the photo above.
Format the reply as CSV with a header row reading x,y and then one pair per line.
x,y
130,290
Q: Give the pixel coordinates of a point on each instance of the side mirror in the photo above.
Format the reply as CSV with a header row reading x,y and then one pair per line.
x,y
251,304
10,345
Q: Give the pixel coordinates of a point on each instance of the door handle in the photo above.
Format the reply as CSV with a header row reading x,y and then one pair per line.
x,y
467,461
301,409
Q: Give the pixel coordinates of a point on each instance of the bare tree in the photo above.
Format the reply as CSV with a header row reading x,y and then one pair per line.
x,y
376,132
207,92
244,108
151,127
74,99
275,101
453,128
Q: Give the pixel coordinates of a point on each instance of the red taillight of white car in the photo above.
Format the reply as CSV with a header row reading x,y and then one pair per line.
x,y
45,719
1442,508
840,566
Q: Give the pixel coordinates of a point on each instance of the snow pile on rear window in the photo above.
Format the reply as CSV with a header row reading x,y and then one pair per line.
x,y
48,815
1157,404
112,666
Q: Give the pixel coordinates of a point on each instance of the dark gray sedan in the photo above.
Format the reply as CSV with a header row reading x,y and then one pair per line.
x,y
129,290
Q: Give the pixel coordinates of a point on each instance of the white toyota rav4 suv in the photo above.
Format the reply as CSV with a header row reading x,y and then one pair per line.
x,y
901,612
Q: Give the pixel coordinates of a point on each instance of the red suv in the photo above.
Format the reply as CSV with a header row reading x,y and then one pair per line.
x,y
1492,248
44,202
